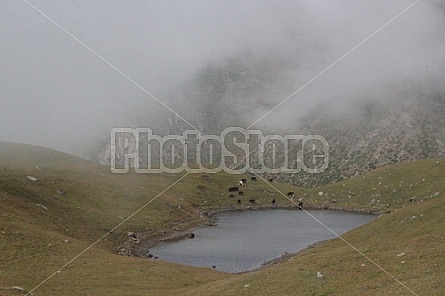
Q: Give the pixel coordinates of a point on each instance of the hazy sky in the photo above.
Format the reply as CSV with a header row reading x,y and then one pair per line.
x,y
56,93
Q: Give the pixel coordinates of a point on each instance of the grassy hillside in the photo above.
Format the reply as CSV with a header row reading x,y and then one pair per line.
x,y
41,230
36,220
407,243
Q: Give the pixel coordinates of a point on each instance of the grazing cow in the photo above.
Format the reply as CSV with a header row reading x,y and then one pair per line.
x,y
192,235
131,235
244,181
233,189
241,193
290,194
273,201
241,183
253,179
300,205
231,195
252,201
271,180
239,201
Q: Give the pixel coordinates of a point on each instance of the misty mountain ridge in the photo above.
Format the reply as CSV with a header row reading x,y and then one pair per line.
x,y
398,122
376,134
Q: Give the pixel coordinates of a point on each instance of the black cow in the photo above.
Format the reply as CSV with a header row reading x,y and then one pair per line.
x,y
241,193
233,189
300,205
253,179
231,195
273,201
290,194
244,180
252,201
239,201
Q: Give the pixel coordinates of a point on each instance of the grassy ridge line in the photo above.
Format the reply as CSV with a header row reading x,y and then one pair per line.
x,y
96,200
386,188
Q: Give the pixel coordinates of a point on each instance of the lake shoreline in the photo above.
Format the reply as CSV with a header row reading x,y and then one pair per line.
x,y
209,219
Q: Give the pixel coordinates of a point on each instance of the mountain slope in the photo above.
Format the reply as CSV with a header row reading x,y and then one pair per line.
x,y
398,121
41,230
377,134
406,243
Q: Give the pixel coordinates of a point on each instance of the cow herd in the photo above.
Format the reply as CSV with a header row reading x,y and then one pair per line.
x,y
291,196
252,201
241,183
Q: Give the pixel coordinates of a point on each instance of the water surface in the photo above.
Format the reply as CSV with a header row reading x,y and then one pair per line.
x,y
242,241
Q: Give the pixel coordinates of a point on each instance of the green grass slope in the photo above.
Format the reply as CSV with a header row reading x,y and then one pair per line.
x,y
41,230
407,244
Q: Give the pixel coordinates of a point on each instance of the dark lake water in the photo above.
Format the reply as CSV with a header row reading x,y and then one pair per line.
x,y
242,241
